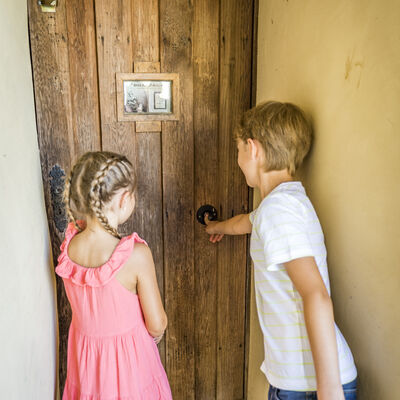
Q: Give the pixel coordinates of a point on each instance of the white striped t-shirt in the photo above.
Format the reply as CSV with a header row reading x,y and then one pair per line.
x,y
286,227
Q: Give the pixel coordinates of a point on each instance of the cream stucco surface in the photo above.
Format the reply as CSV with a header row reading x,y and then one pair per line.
x,y
27,299
340,61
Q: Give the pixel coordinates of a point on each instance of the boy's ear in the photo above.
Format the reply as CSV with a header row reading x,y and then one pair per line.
x,y
252,145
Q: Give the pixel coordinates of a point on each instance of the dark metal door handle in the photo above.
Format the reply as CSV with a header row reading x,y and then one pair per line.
x,y
206,209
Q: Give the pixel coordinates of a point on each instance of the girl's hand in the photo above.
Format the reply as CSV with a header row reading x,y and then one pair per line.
x,y
158,338
211,229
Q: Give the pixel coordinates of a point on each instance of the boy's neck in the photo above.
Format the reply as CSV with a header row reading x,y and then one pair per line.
x,y
268,181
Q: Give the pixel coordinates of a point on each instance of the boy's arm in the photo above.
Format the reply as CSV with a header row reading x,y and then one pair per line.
x,y
237,225
318,315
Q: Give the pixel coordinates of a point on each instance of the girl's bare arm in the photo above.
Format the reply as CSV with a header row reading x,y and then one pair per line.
x,y
148,291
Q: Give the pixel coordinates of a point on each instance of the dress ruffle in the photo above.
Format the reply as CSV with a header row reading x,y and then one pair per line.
x,y
157,390
99,276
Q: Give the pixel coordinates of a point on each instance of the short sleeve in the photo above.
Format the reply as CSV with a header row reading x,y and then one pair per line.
x,y
282,228
252,216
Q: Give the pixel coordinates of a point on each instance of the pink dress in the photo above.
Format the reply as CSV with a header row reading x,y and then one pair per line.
x,y
111,355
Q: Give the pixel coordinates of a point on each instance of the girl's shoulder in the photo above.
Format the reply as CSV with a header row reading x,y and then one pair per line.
x,y
128,247
70,232
141,264
141,257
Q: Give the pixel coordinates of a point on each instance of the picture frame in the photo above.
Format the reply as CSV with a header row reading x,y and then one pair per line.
x,y
147,96
159,102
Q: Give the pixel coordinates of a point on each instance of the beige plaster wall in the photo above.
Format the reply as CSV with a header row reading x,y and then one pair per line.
x,y
340,61
27,299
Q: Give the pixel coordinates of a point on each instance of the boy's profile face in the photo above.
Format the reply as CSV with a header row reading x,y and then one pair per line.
x,y
246,161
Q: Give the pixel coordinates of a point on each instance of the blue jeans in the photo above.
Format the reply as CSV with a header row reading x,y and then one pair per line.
x,y
350,393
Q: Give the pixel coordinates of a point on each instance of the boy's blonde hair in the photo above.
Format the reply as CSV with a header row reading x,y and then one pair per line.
x,y
283,131
92,182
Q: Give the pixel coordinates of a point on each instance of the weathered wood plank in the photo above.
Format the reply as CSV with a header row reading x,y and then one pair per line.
x,y
48,38
176,18
148,126
83,76
145,66
114,52
53,114
235,97
148,214
205,127
145,32
251,194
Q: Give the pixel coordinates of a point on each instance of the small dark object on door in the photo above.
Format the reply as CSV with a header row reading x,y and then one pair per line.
x,y
206,209
57,182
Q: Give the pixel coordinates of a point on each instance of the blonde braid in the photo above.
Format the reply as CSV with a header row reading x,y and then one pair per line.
x,y
67,198
95,202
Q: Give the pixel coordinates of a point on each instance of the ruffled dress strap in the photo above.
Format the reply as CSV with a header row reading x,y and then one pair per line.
x,y
98,276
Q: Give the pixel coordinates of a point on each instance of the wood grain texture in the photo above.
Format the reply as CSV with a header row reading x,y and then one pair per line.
x,y
145,31
251,196
205,127
148,215
176,18
146,66
148,126
114,51
52,97
83,76
62,135
235,97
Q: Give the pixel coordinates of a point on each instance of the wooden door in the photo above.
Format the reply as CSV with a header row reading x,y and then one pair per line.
x,y
76,53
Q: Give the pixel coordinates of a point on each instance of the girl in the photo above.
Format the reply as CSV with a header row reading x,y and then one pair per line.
x,y
117,313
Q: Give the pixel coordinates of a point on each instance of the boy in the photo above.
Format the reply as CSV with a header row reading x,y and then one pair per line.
x,y
305,353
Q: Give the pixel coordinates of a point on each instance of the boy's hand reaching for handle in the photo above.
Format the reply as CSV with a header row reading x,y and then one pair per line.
x,y
238,225
212,231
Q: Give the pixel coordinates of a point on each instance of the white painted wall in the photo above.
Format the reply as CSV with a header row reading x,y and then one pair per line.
x,y
27,295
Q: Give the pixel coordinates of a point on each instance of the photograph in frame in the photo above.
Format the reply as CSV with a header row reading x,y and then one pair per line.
x,y
147,97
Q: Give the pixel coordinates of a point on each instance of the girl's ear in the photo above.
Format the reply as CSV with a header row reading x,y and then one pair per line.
x,y
123,198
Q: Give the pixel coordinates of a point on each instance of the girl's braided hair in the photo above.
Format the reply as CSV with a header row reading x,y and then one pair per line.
x,y
92,182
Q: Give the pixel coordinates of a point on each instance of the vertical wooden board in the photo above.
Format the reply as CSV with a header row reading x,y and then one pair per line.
x,y
65,81
205,127
147,218
48,37
235,97
251,195
49,50
148,214
114,51
83,75
176,18
50,64
145,31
